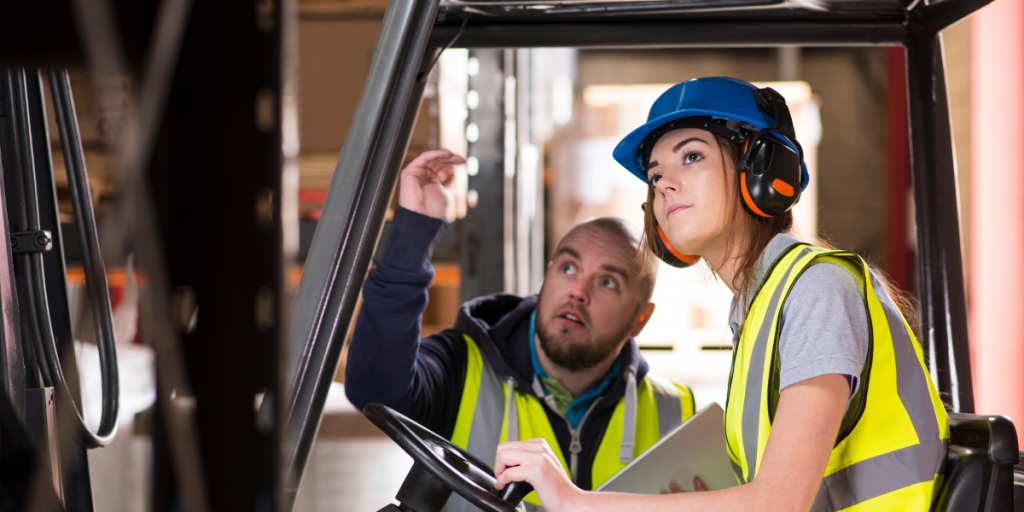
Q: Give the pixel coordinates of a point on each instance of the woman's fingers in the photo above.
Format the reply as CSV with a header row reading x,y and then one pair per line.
x,y
698,484
531,446
524,466
514,474
533,462
515,461
674,488
511,454
510,464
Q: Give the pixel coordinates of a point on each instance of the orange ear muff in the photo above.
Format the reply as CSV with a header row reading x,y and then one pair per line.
x,y
746,196
685,258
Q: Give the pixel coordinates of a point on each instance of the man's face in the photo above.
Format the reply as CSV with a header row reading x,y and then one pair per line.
x,y
591,298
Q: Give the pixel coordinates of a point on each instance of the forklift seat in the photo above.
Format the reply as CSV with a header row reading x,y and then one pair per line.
x,y
979,466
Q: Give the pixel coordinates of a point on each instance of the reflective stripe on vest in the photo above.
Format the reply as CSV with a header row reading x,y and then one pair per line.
x,y
487,417
892,453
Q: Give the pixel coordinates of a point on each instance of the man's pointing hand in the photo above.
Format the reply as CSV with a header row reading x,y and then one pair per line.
x,y
424,182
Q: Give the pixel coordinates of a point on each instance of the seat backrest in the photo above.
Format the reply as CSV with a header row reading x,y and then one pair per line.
x,y
1018,485
979,468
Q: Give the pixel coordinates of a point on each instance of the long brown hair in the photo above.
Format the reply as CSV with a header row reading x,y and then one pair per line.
x,y
760,230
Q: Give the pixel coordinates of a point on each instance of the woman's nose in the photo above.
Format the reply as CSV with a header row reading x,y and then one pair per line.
x,y
668,182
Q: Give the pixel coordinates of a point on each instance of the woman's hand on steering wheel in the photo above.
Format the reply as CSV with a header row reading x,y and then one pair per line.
x,y
533,462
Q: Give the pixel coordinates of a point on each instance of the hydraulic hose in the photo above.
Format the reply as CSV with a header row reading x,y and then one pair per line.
x,y
95,279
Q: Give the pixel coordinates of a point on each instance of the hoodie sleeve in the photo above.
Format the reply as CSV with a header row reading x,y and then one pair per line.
x,y
387,361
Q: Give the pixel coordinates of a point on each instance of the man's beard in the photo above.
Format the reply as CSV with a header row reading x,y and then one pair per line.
x,y
581,356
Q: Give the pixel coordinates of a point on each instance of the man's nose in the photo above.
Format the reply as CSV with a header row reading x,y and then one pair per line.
x,y
580,291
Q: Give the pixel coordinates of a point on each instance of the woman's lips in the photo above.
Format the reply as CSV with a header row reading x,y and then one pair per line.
x,y
672,209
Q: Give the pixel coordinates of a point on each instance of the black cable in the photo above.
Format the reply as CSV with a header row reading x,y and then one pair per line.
x,y
34,308
462,28
95,276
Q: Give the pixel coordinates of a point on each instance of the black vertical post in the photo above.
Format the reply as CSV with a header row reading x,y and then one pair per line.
x,y
218,180
74,462
481,232
943,300
15,155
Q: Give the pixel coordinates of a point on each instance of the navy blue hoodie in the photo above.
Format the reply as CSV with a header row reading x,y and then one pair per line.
x,y
423,378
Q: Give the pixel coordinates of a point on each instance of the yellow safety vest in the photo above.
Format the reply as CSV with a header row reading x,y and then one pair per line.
x,y
893,439
487,416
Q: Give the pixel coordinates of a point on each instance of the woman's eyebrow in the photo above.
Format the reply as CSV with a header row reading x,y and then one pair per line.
x,y
654,163
687,141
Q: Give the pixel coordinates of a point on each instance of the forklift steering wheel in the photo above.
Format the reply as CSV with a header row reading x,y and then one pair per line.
x,y
441,467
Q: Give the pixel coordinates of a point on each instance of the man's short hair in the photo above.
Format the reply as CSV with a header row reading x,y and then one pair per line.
x,y
630,235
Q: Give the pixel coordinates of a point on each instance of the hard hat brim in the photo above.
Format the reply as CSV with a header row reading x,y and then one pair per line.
x,y
628,152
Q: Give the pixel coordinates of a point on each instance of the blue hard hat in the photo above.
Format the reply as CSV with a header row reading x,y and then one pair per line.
x,y
722,98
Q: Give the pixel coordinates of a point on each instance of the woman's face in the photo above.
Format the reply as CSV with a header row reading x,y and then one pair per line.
x,y
694,196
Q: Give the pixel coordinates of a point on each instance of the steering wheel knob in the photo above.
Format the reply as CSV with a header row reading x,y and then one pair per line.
x,y
514,492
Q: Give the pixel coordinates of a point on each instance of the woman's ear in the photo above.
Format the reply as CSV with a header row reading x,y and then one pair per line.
x,y
641,321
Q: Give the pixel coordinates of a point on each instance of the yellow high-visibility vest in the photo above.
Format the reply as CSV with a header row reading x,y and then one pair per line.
x,y
493,410
892,442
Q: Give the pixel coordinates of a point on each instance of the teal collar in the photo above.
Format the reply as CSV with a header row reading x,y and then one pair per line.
x,y
533,348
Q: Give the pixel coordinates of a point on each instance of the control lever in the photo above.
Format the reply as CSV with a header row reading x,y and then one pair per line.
x,y
514,492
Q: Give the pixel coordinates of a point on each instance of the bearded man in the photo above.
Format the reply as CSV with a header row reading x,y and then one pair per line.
x,y
561,365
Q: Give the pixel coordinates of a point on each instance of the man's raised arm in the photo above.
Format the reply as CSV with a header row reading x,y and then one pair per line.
x,y
387,362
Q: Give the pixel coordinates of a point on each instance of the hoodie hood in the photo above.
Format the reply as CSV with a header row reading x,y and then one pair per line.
x,y
500,324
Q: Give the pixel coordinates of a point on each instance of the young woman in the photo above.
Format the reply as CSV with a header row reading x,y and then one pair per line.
x,y
830,406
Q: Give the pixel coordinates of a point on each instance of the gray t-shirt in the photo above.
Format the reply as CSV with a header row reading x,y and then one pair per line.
x,y
825,325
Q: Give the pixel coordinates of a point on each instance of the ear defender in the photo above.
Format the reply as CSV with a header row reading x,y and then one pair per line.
x,y
771,169
665,252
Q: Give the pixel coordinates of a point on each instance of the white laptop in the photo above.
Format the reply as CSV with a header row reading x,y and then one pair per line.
x,y
695,448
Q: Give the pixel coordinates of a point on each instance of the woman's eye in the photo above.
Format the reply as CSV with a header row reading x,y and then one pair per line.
x,y
654,179
690,158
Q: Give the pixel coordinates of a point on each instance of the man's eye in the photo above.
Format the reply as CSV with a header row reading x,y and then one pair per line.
x,y
568,268
609,283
